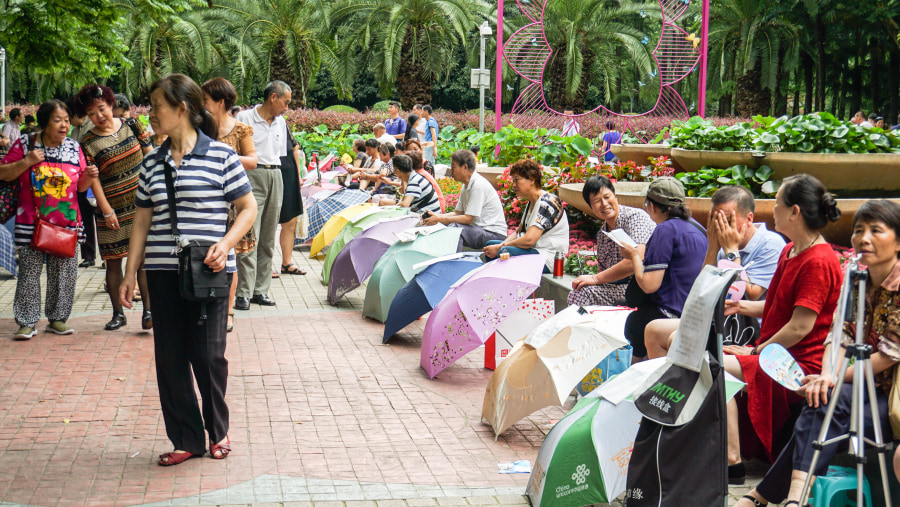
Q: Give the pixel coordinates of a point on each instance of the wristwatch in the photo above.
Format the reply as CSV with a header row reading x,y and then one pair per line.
x,y
733,257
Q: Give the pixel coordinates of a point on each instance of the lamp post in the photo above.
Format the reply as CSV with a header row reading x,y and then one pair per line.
x,y
2,81
485,32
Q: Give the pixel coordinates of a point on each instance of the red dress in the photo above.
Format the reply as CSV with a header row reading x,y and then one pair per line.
x,y
811,280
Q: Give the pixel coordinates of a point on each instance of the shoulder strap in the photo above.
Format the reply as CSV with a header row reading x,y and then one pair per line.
x,y
170,197
132,124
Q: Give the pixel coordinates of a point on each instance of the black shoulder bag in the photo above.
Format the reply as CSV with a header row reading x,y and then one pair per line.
x,y
196,280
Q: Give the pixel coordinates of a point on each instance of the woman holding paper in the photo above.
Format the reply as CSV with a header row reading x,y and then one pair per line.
x,y
797,313
613,271
673,259
876,238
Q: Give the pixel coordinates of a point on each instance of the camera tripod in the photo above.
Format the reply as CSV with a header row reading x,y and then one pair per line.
x,y
863,385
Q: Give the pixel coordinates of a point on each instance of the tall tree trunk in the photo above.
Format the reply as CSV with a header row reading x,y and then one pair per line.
x,y
820,63
893,83
751,98
796,109
280,69
412,87
806,62
780,91
875,57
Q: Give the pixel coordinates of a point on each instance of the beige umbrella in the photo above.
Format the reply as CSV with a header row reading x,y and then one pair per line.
x,y
543,368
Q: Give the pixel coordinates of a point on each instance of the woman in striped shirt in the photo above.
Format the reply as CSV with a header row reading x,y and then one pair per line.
x,y
207,176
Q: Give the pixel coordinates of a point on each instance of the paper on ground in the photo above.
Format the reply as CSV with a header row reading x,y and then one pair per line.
x,y
621,238
523,466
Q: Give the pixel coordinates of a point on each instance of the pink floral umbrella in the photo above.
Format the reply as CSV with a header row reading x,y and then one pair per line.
x,y
475,306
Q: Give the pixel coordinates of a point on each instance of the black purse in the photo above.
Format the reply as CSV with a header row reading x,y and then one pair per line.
x,y
196,281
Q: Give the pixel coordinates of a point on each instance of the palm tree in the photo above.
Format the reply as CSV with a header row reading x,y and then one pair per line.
x,y
275,39
749,41
407,42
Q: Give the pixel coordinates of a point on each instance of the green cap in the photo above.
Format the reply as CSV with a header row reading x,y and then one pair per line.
x,y
666,190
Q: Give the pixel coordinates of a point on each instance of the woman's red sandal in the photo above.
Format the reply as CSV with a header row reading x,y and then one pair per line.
x,y
174,458
220,451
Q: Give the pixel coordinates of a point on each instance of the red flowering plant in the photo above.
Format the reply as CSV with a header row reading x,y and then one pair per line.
x,y
844,255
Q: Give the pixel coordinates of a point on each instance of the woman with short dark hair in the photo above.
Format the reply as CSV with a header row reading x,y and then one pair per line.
x,y
50,168
544,228
416,192
614,272
117,146
188,336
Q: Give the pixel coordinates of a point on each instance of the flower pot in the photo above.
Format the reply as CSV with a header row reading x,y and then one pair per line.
x,y
641,153
694,160
837,232
853,172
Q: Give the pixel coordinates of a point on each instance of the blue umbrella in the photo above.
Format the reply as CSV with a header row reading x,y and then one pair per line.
x,y
321,210
7,251
421,294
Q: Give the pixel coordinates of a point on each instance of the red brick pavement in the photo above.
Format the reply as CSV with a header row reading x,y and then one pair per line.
x,y
311,394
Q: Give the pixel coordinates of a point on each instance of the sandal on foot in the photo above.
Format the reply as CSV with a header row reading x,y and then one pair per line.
x,y
220,451
292,269
756,502
275,273
174,458
230,327
147,320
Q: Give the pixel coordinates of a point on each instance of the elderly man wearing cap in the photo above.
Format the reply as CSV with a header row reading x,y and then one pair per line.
x,y
672,260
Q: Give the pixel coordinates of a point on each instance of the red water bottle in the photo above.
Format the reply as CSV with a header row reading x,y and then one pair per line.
x,y
558,262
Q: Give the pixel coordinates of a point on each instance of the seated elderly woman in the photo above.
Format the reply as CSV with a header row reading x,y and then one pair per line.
x,y
607,287
876,237
544,228
416,192
673,259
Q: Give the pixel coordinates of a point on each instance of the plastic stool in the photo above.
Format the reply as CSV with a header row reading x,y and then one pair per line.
x,y
833,487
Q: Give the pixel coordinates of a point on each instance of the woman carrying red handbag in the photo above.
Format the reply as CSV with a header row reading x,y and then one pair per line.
x,y
50,168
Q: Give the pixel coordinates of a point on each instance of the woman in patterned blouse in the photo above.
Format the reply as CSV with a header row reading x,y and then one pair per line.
x,y
607,287
876,238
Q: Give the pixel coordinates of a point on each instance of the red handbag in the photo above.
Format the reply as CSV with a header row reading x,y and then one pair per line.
x,y
51,238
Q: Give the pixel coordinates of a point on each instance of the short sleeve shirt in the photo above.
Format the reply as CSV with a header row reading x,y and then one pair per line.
x,y
395,126
679,247
763,251
635,222
478,199
549,216
431,123
269,139
611,138
209,177
424,196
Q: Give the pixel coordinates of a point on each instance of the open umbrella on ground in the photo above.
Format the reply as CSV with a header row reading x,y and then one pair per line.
x,y
475,306
543,369
585,457
334,225
354,226
395,268
311,188
357,259
321,210
7,251
421,294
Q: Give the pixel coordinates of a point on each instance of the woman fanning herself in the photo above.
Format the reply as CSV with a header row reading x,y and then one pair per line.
x,y
876,237
797,313
207,176
117,146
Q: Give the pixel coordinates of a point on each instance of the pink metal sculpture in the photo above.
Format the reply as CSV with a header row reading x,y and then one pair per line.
x,y
675,56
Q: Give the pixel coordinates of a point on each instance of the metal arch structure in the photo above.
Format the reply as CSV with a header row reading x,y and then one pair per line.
x,y
675,55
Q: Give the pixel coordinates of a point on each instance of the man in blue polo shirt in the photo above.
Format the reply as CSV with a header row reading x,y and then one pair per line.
x,y
431,134
395,125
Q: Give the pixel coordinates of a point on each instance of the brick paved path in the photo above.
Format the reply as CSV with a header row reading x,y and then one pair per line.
x,y
321,412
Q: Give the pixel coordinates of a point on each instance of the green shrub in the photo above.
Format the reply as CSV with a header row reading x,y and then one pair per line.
x,y
381,106
340,108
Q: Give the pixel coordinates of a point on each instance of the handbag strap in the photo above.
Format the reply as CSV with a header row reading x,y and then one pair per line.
x,y
170,197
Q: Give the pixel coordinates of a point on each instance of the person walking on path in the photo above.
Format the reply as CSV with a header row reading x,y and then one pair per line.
x,y
219,96
117,146
269,130
50,168
207,176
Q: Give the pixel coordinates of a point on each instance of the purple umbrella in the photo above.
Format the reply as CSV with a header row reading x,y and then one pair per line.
x,y
355,262
475,306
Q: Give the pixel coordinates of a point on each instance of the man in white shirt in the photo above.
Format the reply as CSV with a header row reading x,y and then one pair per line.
x,y
570,127
11,128
479,212
269,131
382,136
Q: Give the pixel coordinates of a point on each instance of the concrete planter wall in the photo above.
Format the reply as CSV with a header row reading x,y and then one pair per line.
x,y
840,171
837,233
492,174
641,153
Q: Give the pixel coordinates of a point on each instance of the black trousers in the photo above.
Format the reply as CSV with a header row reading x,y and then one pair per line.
x,y
183,347
797,454
89,248
637,321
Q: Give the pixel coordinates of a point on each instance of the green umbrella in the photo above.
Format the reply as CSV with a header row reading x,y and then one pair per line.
x,y
395,268
353,227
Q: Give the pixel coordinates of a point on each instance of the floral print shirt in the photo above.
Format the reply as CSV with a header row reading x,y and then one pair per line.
x,y
634,221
